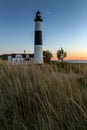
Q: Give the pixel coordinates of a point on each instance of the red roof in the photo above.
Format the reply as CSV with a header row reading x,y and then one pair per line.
x,y
24,55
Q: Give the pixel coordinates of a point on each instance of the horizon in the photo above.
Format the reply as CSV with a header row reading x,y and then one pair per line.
x,y
64,25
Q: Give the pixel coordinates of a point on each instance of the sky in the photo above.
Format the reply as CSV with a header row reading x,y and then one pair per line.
x,y
64,25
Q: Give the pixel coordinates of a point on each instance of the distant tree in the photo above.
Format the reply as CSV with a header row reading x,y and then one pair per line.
x,y
4,56
61,54
47,55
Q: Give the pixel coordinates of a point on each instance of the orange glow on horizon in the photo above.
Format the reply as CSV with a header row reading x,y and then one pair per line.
x,y
73,56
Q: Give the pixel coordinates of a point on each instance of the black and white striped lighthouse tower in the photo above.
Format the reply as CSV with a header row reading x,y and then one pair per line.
x,y
38,48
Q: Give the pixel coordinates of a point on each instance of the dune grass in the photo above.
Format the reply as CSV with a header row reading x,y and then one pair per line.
x,y
47,97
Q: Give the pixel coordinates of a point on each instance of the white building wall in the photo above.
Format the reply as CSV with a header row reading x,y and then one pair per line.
x,y
18,60
10,59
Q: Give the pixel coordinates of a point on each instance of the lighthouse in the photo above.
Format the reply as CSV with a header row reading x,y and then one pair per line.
x,y
38,48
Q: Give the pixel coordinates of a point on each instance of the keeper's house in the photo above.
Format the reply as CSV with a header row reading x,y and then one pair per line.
x,y
20,58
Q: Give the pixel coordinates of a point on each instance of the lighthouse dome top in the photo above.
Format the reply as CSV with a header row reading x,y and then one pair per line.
x,y
38,13
38,16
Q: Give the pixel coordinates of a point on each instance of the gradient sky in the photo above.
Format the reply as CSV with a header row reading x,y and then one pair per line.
x,y
64,25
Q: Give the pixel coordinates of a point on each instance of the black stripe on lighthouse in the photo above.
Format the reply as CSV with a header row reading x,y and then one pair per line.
x,y
38,38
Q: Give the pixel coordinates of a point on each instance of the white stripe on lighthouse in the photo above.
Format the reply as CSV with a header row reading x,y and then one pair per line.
x,y
38,26
38,57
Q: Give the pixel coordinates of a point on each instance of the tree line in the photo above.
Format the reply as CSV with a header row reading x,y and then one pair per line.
x,y
61,54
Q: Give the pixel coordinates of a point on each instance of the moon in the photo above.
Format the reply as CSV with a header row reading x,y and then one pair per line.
x,y
49,13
